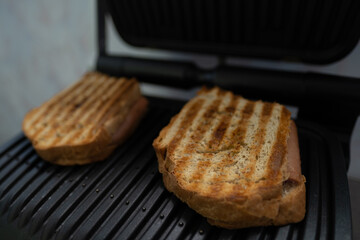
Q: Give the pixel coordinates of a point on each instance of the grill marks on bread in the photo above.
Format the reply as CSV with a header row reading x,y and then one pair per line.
x,y
239,133
76,115
220,130
41,117
279,148
218,137
229,150
107,110
188,117
249,166
229,142
197,136
83,119
270,124
258,137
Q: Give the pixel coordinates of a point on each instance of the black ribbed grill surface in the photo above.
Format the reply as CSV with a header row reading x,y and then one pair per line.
x,y
310,30
124,197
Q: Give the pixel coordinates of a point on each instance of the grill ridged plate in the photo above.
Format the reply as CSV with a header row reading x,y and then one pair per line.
x,y
309,31
124,197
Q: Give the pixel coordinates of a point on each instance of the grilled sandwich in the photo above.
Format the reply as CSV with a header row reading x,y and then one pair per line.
x,y
85,122
234,161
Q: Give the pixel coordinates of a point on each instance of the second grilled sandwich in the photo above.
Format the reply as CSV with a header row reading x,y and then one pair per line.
x,y
85,122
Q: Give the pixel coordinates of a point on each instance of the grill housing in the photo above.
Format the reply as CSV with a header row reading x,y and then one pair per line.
x,y
124,197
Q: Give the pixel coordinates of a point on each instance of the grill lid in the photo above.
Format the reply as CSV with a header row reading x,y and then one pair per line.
x,y
309,31
123,197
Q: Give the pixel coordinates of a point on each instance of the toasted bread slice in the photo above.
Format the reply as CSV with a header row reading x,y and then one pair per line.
x,y
85,122
227,158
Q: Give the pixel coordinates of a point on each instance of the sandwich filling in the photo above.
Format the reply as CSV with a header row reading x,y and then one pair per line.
x,y
293,156
131,121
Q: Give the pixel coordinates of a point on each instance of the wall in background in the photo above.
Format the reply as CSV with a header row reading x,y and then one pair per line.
x,y
44,46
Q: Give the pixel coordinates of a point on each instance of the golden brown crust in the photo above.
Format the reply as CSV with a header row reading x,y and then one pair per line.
x,y
235,203
77,154
291,210
159,149
243,212
80,124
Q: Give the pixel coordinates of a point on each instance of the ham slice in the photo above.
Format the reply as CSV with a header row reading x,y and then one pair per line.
x,y
294,165
131,121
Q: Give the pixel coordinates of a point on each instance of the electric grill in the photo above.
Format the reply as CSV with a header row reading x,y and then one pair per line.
x,y
123,197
